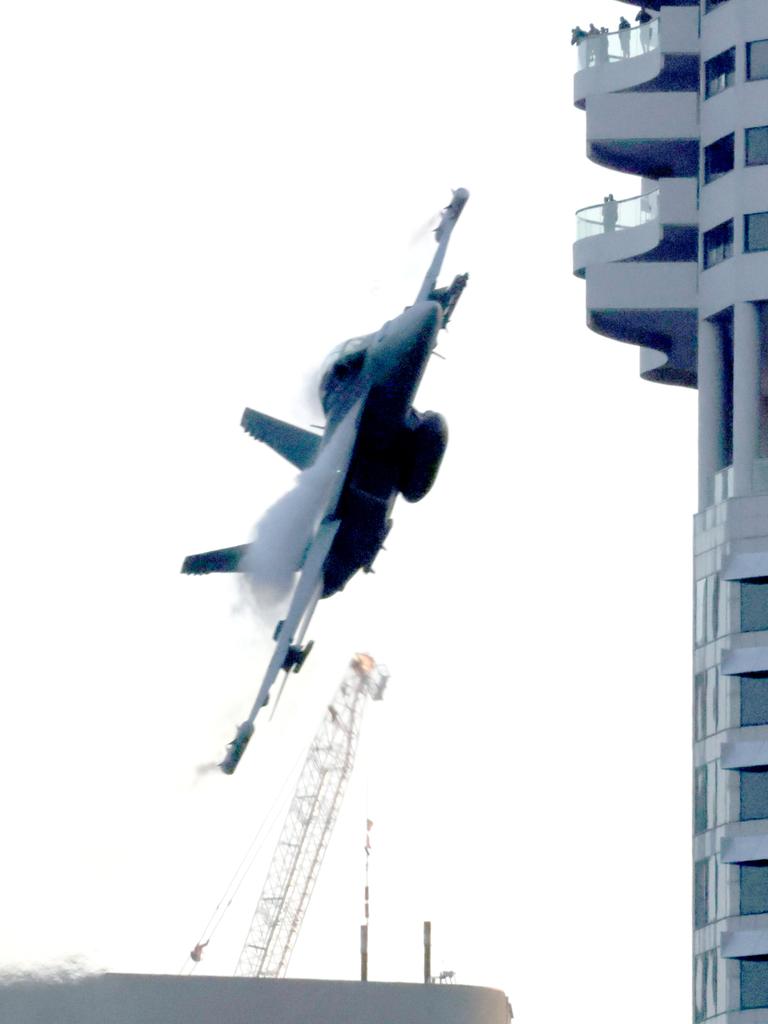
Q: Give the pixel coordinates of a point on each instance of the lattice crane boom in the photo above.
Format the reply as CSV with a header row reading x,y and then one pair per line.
x,y
309,824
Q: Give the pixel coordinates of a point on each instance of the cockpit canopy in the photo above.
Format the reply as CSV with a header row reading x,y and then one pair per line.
x,y
342,365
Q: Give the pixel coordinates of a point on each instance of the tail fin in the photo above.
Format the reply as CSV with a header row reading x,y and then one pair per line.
x,y
294,444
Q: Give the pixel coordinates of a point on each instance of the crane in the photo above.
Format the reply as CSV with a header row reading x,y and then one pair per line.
x,y
309,824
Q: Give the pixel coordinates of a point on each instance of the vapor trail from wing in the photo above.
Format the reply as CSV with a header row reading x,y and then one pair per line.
x,y
426,228
282,534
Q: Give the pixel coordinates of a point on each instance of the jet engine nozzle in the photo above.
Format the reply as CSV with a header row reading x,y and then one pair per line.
x,y
236,748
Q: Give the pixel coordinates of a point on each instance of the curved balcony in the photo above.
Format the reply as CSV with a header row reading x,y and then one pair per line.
x,y
661,225
662,54
639,259
639,87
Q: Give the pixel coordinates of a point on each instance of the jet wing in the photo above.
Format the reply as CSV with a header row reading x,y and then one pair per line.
x,y
292,628
451,214
290,632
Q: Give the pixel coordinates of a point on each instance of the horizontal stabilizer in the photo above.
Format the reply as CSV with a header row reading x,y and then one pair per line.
x,y
294,444
223,560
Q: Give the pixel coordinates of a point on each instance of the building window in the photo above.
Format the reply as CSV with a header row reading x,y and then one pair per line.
x,y
757,60
756,146
713,593
754,602
754,982
700,706
700,614
756,232
712,4
700,799
724,603
753,888
707,598
718,244
753,794
720,72
705,704
754,700
718,158
705,985
713,709
701,893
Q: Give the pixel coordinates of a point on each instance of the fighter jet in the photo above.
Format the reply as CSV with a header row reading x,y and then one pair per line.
x,y
380,447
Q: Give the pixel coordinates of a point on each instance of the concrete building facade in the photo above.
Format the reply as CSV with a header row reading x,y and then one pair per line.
x,y
681,269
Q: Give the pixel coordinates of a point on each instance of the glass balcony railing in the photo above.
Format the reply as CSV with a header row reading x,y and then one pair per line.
x,y
617,215
607,47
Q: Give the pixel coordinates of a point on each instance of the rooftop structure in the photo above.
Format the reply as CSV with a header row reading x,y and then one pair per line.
x,y
680,268
141,998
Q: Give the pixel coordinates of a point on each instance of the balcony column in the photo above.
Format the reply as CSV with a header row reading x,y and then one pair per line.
x,y
712,412
746,394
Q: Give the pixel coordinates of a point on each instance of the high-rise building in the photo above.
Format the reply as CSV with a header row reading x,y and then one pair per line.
x,y
679,96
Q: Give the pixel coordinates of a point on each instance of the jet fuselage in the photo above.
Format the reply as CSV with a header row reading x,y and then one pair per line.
x,y
383,375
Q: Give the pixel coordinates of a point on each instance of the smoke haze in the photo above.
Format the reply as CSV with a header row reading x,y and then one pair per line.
x,y
66,971
283,533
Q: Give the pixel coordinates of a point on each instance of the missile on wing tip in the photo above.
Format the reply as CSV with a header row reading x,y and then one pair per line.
x,y
236,748
452,211
460,197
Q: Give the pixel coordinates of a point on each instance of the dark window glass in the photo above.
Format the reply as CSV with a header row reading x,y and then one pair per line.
x,y
700,799
754,700
718,244
756,146
712,690
700,980
718,158
705,985
756,232
700,706
754,982
753,786
712,997
757,59
712,4
701,610
719,72
754,603
713,592
753,888
701,893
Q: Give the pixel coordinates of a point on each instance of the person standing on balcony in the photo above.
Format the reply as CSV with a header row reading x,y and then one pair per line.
x,y
602,46
593,43
625,37
645,20
578,35
610,213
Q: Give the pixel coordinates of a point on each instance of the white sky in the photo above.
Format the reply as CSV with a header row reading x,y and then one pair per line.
x,y
198,201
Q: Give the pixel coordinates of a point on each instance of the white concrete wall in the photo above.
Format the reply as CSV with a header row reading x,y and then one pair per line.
x,y
643,115
679,30
642,286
